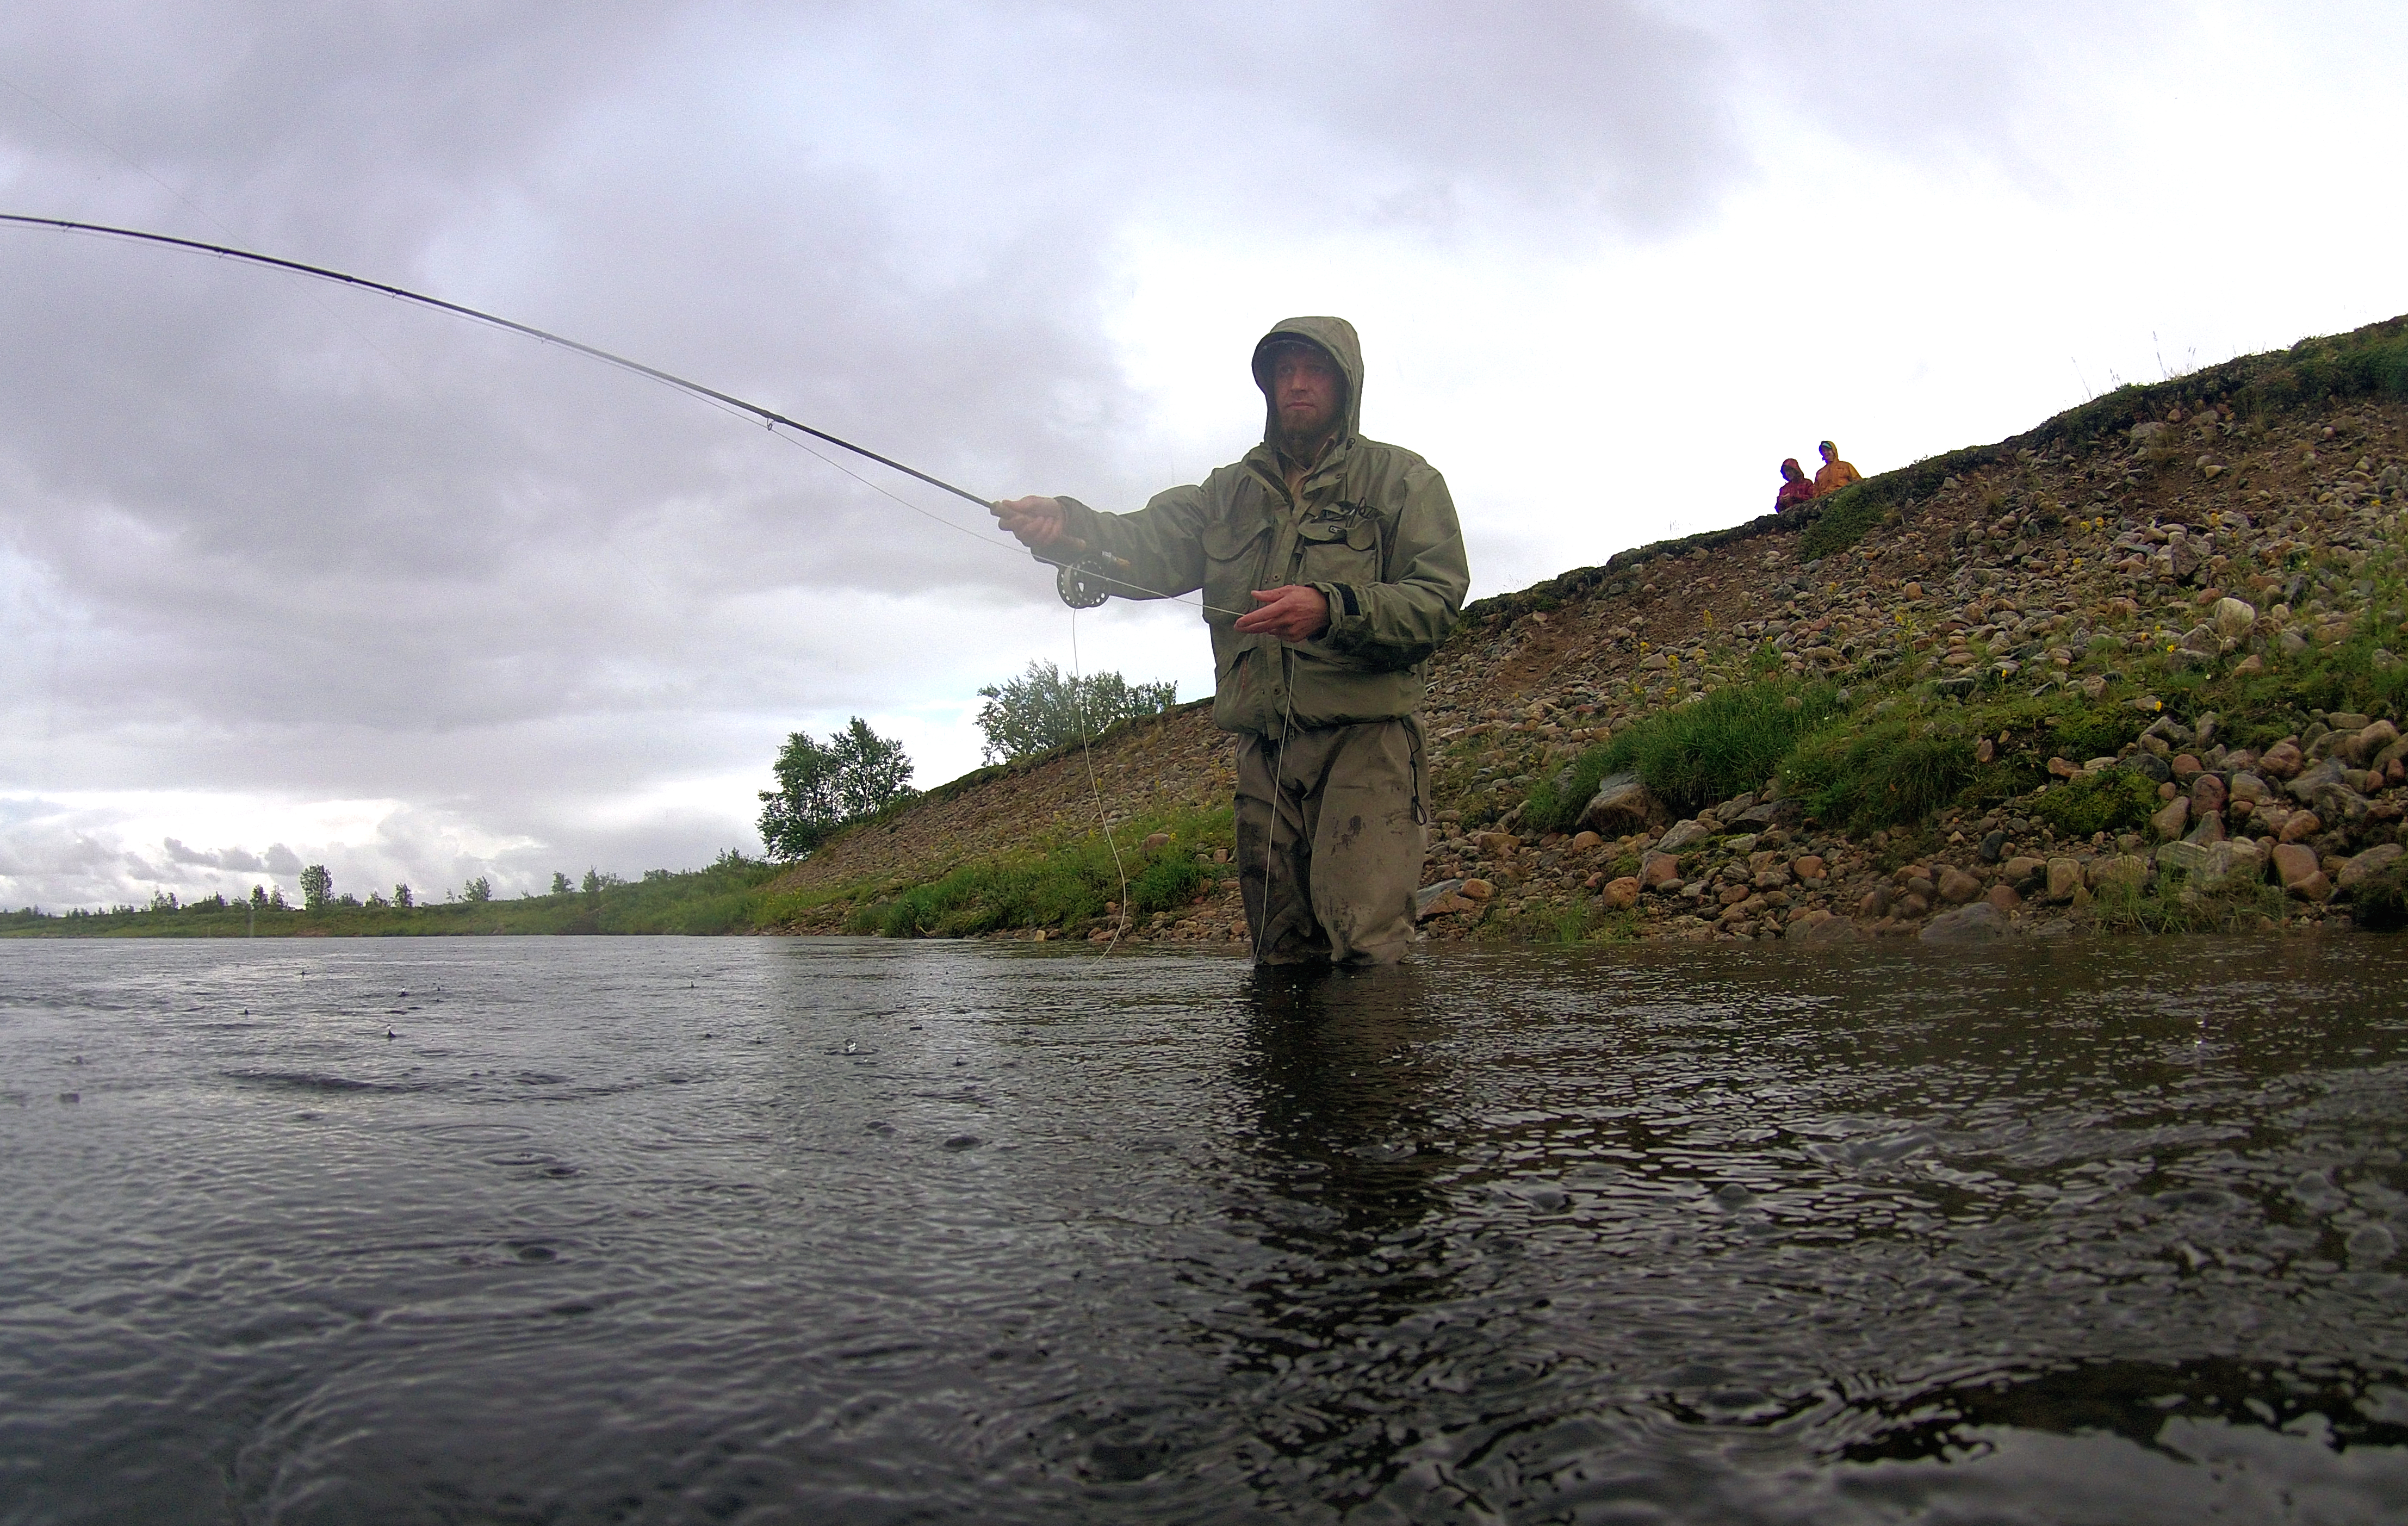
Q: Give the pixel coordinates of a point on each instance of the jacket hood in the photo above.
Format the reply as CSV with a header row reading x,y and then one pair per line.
x,y
1334,336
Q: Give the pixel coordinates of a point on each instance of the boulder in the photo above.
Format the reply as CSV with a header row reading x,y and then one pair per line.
x,y
2171,821
1658,869
2122,869
2300,826
1956,886
2208,794
1977,923
2064,878
2283,760
1772,814
2249,787
2022,872
2369,743
1158,842
1476,890
1584,842
1620,805
1622,894
2233,619
2207,865
2003,896
1438,899
2303,876
2325,790
1810,869
2366,865
1684,834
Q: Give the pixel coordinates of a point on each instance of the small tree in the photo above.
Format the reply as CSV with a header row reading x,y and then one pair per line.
x,y
560,885
259,895
823,786
402,897
1044,709
478,889
317,887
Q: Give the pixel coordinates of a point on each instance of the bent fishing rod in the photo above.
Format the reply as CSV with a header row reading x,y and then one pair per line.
x,y
1083,582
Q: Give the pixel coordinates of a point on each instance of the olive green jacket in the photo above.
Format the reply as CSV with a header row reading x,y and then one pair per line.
x,y
1372,527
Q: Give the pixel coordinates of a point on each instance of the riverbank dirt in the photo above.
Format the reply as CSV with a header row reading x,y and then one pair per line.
x,y
2211,576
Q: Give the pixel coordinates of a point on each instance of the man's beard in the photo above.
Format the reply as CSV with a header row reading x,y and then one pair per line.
x,y
1305,442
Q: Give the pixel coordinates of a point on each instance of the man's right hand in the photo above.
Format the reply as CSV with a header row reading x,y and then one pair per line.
x,y
1037,521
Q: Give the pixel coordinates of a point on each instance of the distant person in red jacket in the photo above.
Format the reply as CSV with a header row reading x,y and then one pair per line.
x,y
1836,473
1795,488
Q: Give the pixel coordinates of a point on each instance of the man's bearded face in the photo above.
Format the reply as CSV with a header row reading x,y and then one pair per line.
x,y
1305,390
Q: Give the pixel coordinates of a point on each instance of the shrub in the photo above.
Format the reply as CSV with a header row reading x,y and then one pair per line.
x,y
1044,709
2106,802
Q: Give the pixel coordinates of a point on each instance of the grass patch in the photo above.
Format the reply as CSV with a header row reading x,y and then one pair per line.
x,y
1897,770
2106,802
1845,518
2233,905
1693,754
1068,884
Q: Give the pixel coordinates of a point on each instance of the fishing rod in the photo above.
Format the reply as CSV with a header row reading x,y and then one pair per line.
x,y
1083,582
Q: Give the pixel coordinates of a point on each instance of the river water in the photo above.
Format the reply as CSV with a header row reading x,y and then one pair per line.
x,y
641,1231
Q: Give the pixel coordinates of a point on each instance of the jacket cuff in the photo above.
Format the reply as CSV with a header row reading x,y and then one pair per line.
x,y
1350,613
1081,522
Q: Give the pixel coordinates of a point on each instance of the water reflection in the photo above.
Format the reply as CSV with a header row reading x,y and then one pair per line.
x,y
682,1231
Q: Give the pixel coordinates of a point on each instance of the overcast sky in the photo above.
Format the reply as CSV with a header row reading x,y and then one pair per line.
x,y
290,574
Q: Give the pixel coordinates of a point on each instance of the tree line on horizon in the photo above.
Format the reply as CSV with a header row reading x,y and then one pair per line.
x,y
825,787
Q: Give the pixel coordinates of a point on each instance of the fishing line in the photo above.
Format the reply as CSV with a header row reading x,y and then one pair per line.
x,y
1079,694
799,434
774,420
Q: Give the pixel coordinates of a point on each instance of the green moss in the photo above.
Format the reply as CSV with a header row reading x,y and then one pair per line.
x,y
2106,802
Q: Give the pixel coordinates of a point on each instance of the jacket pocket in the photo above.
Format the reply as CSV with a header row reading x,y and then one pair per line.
x,y
1233,568
1340,551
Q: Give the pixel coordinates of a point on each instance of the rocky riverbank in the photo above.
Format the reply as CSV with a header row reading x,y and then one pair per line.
x,y
2131,670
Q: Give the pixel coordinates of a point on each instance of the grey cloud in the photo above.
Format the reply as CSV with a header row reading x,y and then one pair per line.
x,y
230,858
273,532
280,860
1998,83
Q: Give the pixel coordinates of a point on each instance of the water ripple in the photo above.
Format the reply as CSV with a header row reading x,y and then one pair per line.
x,y
668,1230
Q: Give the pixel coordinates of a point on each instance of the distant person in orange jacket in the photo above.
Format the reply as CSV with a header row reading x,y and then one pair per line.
x,y
1795,488
1836,473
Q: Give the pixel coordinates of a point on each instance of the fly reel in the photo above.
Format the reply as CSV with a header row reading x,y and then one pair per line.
x,y
1081,584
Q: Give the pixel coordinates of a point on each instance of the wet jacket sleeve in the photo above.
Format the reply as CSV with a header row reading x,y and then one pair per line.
x,y
1162,542
1400,622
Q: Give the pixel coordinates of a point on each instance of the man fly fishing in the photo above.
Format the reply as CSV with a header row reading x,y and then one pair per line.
x,y
1331,568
